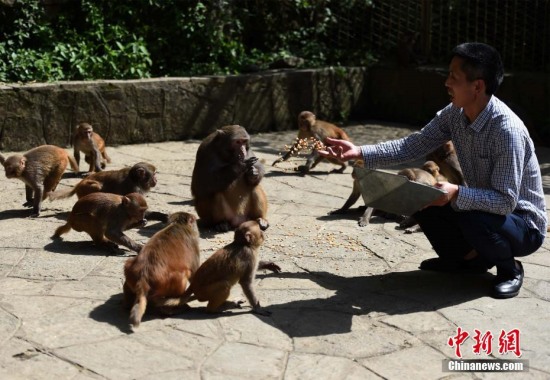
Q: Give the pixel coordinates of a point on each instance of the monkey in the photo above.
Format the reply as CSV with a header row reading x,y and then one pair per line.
x,y
353,197
93,146
421,176
226,177
418,175
40,169
236,262
164,266
105,217
432,168
140,178
310,127
445,157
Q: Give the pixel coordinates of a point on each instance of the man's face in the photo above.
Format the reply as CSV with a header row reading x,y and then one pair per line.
x,y
462,92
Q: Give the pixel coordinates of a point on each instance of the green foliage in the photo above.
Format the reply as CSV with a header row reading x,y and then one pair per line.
x,y
93,39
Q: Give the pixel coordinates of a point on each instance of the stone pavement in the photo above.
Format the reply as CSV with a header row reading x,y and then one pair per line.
x,y
350,302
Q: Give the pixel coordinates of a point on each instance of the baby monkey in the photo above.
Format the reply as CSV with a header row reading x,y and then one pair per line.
x,y
236,262
92,145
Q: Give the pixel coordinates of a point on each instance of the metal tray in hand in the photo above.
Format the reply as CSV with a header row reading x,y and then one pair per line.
x,y
394,193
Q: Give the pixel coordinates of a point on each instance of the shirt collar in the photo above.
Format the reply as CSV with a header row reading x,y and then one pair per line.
x,y
483,117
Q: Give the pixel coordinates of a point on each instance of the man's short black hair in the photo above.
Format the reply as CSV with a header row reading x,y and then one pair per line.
x,y
481,61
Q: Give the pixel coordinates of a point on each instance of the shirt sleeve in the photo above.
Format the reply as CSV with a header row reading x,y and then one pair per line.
x,y
409,148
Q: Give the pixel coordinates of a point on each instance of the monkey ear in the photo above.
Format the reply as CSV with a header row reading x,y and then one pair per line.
x,y
125,201
2,159
249,237
23,162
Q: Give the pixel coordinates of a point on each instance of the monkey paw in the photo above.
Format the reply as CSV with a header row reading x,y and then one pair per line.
x,y
28,203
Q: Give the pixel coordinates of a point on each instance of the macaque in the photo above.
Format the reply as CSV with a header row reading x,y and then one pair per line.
x,y
164,266
236,262
93,146
445,157
139,178
310,127
105,217
418,175
432,168
353,197
226,179
40,169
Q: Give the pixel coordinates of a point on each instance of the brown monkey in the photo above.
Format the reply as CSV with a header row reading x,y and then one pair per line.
x,y
105,217
93,146
236,262
308,127
418,175
226,180
432,168
445,157
353,197
40,169
164,266
139,178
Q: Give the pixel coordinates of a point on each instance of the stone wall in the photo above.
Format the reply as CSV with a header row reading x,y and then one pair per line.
x,y
127,112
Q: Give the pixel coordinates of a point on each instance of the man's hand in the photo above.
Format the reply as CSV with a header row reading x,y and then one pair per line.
x,y
341,149
452,193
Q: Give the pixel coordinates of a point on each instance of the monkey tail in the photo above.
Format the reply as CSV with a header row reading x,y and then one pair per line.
x,y
182,300
140,305
61,230
73,163
61,194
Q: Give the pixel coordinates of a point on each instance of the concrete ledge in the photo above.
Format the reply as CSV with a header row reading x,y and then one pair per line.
x,y
168,109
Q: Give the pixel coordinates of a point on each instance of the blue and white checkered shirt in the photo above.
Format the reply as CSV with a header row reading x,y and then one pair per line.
x,y
495,152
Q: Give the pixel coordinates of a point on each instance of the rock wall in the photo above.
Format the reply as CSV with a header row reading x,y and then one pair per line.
x,y
126,112
137,111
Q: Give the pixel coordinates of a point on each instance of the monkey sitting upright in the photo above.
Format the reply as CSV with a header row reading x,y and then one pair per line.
x,y
164,266
105,217
310,127
445,157
40,169
226,179
236,262
93,146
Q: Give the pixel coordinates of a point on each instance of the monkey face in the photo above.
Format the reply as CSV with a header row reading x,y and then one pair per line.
x,y
14,166
250,233
306,120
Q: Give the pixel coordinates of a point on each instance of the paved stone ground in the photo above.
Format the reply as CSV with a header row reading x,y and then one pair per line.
x,y
349,304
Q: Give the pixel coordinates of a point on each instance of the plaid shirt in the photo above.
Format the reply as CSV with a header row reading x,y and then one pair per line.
x,y
495,152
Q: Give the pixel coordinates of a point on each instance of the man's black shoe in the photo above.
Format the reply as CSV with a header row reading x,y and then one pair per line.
x,y
508,285
437,264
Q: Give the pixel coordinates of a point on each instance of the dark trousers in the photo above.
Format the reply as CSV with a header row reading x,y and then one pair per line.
x,y
496,238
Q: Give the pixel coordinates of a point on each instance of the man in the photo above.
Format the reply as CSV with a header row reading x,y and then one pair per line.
x,y
500,212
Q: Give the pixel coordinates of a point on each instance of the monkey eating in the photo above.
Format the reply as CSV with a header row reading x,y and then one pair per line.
x,y
92,145
40,169
236,262
105,217
310,127
226,179
164,266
